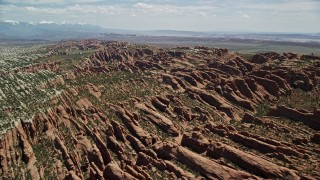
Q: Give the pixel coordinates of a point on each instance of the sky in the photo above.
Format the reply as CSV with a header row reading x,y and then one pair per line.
x,y
292,16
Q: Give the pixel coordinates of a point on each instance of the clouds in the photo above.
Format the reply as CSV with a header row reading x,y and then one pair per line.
x,y
143,6
46,22
175,10
200,15
284,6
138,9
49,2
32,1
74,9
246,16
11,22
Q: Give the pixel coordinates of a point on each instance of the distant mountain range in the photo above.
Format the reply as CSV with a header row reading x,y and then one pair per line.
x,y
47,31
53,31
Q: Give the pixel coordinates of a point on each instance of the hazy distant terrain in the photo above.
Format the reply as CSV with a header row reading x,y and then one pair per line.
x,y
241,45
242,42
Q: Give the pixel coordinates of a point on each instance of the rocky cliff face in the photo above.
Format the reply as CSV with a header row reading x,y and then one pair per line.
x,y
138,112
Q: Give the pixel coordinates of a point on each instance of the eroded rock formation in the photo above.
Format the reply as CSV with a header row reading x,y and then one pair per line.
x,y
139,112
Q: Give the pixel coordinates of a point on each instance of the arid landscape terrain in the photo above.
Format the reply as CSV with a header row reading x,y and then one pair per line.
x,y
97,109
